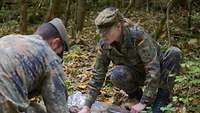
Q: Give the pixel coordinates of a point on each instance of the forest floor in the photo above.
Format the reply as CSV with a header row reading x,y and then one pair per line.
x,y
79,61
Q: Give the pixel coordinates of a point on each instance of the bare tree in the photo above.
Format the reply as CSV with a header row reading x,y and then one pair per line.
x,y
129,7
170,4
67,11
1,3
80,14
139,3
147,7
54,9
189,13
79,18
23,16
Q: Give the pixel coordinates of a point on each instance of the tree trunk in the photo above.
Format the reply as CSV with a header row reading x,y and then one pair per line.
x,y
80,14
23,16
170,4
147,7
139,4
158,32
129,7
189,13
54,9
79,17
1,3
67,11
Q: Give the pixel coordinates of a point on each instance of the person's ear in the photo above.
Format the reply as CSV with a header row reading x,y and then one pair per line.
x,y
55,43
119,26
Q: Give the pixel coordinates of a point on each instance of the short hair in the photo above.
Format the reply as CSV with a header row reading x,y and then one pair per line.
x,y
47,31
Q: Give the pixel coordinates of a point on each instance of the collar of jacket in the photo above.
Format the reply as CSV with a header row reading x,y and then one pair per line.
x,y
125,43
127,40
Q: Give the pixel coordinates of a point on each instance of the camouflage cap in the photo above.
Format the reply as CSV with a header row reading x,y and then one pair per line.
x,y
58,24
108,17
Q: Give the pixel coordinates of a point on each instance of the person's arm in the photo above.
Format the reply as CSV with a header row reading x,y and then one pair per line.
x,y
97,80
53,89
148,53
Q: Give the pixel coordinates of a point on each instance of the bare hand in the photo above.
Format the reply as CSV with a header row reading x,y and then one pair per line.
x,y
85,109
74,109
137,108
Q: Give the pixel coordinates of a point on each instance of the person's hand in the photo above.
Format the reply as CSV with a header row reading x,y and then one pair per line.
x,y
74,109
85,109
137,108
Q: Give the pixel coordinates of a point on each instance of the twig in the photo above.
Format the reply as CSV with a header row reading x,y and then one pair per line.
x,y
129,7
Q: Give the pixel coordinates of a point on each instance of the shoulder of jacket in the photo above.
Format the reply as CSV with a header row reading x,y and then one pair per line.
x,y
103,45
137,34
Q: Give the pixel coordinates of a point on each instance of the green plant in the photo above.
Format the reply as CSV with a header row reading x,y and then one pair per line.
x,y
168,109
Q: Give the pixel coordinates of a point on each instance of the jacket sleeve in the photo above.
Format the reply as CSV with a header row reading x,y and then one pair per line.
x,y
53,89
97,80
149,55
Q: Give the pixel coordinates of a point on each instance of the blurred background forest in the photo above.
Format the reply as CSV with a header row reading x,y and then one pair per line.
x,y
171,22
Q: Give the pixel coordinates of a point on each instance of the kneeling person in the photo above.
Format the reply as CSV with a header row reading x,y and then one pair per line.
x,y
138,62
30,66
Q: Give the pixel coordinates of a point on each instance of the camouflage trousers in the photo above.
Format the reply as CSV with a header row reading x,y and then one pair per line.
x,y
11,100
33,108
8,107
130,79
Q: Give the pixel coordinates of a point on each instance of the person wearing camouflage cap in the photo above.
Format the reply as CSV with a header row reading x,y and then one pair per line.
x,y
31,65
56,29
58,24
138,61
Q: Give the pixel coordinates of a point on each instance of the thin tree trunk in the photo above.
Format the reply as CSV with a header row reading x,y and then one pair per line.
x,y
161,6
129,7
80,8
169,6
122,3
54,9
67,12
159,30
139,3
23,16
80,15
189,13
1,3
147,8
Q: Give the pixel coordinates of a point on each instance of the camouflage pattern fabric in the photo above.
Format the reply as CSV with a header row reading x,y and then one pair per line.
x,y
138,61
29,67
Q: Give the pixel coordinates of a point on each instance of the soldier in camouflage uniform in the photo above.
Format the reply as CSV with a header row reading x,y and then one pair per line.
x,y
138,62
30,66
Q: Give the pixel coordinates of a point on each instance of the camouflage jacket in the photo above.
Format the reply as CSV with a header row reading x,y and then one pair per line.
x,y
137,49
29,67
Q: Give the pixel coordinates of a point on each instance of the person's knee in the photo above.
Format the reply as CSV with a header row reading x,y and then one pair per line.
x,y
122,78
171,62
119,73
175,53
116,73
